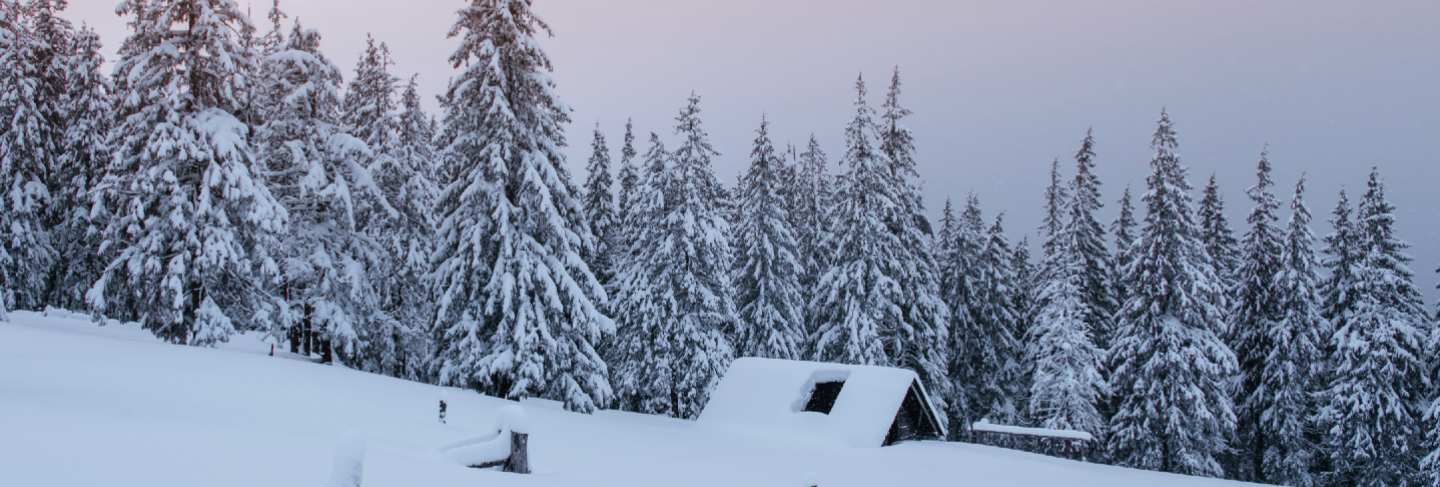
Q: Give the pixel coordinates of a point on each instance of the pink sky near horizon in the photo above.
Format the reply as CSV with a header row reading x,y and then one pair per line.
x,y
998,88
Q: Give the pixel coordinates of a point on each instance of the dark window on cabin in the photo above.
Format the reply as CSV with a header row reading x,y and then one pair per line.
x,y
823,396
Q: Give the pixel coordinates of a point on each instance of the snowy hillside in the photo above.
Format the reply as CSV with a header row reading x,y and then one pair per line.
x,y
82,405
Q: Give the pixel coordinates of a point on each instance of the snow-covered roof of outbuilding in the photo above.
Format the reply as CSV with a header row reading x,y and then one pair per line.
x,y
768,395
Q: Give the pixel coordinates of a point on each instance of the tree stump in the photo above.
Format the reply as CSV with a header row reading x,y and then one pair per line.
x,y
519,461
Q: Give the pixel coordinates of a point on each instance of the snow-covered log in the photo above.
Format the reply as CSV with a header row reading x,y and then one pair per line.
x,y
1075,445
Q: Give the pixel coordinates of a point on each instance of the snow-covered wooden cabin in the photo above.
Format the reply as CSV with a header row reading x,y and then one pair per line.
x,y
849,405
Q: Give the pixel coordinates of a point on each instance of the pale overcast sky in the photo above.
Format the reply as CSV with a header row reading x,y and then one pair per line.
x,y
998,87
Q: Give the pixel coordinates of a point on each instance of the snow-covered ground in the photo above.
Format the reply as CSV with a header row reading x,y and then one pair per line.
x,y
83,405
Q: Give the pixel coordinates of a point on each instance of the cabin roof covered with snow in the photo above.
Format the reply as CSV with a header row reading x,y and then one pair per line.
x,y
773,396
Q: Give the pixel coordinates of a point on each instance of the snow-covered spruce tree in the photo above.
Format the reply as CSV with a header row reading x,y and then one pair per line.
x,y
946,248
29,146
1342,262
521,309
10,77
399,163
1170,371
1256,310
1065,385
1375,399
629,179
369,109
1085,237
404,175
640,357
1023,297
767,270
963,286
674,293
600,209
317,171
51,42
193,225
995,353
1123,234
918,341
810,217
693,265
262,93
1291,371
1215,233
859,294
1052,224
85,108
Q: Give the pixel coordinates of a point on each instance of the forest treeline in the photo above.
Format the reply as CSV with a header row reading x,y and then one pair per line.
x,y
219,179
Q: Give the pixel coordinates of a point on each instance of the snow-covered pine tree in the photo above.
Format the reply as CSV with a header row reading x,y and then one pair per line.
x,y
693,265
1170,371
767,280
1342,259
946,248
963,287
522,311
815,195
1085,237
193,225
1123,233
629,179
317,170
674,292
368,110
918,341
1375,400
995,353
263,91
1290,377
29,146
1065,385
85,108
10,70
641,356
858,295
1219,240
405,176
52,39
1256,312
400,164
600,209
1052,224
1023,297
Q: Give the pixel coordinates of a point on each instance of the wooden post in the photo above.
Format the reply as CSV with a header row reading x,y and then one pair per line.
x,y
519,461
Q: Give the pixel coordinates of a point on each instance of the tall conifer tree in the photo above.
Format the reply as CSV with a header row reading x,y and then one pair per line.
x,y
1375,399
1170,371
600,205
317,170
193,226
1294,362
858,296
768,271
521,308
1085,237
1257,310
917,342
